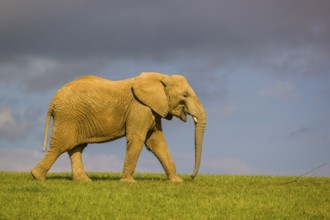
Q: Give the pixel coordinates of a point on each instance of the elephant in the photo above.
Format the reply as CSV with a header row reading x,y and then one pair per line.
x,y
92,109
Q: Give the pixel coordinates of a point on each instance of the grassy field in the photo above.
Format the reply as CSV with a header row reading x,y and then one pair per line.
x,y
207,197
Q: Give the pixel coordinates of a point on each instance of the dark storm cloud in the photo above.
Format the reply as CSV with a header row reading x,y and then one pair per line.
x,y
152,28
282,36
36,73
78,28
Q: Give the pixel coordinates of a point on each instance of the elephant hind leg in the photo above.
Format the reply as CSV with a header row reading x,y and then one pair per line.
x,y
78,171
39,172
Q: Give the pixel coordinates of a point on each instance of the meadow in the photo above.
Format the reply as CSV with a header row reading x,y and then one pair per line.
x,y
153,197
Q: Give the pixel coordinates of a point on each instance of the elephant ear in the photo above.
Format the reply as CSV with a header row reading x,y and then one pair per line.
x,y
149,88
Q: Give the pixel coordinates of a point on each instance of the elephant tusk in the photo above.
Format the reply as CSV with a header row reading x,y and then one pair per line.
x,y
195,119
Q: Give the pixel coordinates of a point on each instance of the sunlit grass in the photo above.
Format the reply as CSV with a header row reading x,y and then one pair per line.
x,y
153,197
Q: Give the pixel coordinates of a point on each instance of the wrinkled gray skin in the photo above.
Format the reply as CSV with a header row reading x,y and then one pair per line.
x,y
91,109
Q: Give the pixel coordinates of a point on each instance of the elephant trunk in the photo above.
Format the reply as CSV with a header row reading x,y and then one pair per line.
x,y
200,123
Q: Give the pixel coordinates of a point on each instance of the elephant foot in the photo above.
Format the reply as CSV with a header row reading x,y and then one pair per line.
x,y
175,179
127,180
38,174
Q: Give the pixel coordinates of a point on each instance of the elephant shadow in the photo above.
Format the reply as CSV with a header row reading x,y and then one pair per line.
x,y
59,176
139,177
109,177
92,176
104,177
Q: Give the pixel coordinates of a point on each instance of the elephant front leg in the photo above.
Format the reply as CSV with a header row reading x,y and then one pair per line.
x,y
133,151
157,144
78,171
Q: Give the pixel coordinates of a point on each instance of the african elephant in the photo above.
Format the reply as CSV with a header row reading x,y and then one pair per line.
x,y
91,109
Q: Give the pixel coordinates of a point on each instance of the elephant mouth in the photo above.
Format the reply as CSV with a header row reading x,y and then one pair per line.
x,y
181,113
183,116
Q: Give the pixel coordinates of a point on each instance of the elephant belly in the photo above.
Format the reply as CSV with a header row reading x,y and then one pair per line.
x,y
104,138
100,130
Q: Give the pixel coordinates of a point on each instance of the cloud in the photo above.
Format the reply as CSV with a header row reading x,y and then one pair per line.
x,y
304,60
24,160
102,163
217,34
224,110
321,169
10,127
228,109
230,166
18,159
306,136
301,131
281,89
38,73
45,44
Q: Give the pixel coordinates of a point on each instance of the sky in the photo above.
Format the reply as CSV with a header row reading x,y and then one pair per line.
x,y
261,68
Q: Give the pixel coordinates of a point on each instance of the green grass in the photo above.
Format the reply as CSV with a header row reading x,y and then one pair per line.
x,y
207,197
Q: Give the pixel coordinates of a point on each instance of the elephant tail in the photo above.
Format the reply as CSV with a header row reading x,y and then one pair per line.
x,y
49,115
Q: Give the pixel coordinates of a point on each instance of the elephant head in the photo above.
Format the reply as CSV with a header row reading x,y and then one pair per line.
x,y
171,95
